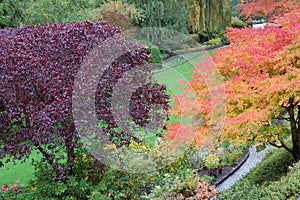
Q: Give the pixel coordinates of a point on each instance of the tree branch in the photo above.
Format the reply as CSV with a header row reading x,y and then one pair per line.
x,y
45,154
275,145
282,145
285,147
36,91
283,118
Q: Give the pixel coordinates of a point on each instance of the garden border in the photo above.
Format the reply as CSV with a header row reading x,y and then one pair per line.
x,y
239,164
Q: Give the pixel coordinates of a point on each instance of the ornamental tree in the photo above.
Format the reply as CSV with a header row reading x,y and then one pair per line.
x,y
38,66
268,9
261,69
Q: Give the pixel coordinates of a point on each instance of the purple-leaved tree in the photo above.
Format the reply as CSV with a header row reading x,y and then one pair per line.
x,y
38,66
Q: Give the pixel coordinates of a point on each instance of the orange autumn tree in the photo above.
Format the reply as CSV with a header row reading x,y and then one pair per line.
x,y
201,108
267,9
261,72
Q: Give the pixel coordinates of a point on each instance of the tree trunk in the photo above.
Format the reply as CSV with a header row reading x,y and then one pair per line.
x,y
207,20
70,151
295,131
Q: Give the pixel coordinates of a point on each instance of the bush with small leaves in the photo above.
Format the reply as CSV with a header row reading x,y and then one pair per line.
x,y
156,57
211,161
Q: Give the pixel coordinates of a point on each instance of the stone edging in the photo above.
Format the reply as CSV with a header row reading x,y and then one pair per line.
x,y
197,49
245,157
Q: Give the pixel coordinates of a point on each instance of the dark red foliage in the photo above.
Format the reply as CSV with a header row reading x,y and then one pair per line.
x,y
37,70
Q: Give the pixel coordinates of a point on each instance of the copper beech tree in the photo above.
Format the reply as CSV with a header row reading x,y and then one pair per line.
x,y
261,72
38,67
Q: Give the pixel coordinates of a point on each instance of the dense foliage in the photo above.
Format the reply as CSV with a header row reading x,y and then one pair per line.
x,y
16,13
266,9
119,14
176,181
163,13
37,71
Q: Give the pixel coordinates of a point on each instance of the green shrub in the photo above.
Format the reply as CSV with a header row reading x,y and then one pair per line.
x,y
171,186
203,37
156,57
243,190
85,174
195,37
215,41
230,159
236,23
273,167
218,33
211,161
59,11
10,14
120,185
176,179
288,187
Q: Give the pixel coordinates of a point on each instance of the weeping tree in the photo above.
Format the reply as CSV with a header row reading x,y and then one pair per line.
x,y
169,14
209,15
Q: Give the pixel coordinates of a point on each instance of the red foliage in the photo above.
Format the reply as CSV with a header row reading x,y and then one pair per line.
x,y
265,8
261,73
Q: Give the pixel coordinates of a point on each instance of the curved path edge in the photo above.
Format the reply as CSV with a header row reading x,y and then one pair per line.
x,y
245,157
253,159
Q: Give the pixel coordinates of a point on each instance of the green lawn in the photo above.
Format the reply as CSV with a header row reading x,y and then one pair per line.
x,y
172,76
24,171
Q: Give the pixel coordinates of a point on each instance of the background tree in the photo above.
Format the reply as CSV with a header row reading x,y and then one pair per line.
x,y
58,11
235,9
167,14
119,14
209,15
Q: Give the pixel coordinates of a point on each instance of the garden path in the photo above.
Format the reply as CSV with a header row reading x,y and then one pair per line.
x,y
253,159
